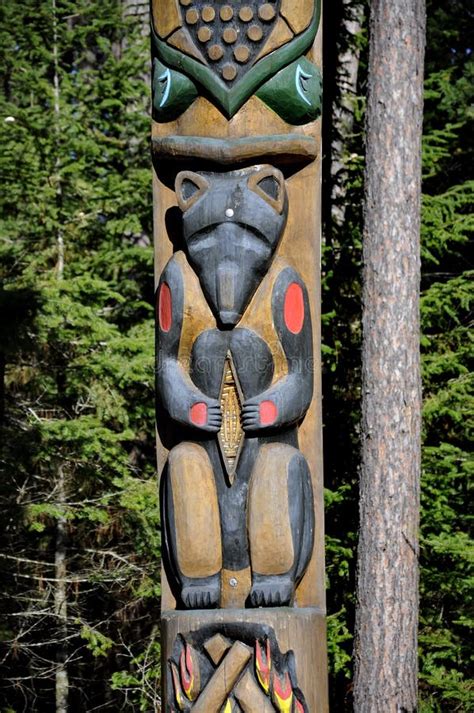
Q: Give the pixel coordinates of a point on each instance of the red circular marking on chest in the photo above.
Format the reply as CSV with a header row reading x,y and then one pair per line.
x,y
165,307
198,414
268,413
294,308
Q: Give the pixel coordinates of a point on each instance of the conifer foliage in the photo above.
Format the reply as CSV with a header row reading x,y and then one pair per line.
x,y
79,555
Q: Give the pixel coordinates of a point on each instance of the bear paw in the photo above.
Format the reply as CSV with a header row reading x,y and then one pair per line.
x,y
204,594
272,591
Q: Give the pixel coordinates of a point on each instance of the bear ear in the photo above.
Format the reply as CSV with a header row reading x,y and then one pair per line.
x,y
189,187
269,184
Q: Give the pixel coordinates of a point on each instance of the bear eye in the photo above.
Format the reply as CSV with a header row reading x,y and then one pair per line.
x,y
269,184
189,188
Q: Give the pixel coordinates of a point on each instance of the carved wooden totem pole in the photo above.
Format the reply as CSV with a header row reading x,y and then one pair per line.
x,y
236,151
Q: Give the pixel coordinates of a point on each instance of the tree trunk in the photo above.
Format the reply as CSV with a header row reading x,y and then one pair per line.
x,y
387,580
60,564
60,600
3,366
343,112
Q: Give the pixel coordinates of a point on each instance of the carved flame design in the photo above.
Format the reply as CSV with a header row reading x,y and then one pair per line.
x,y
263,664
178,692
239,674
283,693
231,434
298,706
188,674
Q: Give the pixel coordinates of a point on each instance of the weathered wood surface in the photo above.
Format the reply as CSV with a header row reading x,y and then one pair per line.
x,y
236,148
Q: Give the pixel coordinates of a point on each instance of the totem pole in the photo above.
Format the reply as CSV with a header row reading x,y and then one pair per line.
x,y
236,153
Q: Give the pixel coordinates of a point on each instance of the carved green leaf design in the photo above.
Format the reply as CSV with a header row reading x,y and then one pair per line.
x,y
295,92
172,92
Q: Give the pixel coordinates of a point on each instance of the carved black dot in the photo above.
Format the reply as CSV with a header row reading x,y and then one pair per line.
x,y
271,186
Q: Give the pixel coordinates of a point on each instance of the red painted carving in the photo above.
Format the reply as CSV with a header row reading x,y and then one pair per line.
x,y
283,693
188,678
268,413
198,414
165,307
294,308
263,664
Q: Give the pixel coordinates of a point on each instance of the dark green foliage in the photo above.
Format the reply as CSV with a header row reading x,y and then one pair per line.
x,y
341,333
447,551
76,293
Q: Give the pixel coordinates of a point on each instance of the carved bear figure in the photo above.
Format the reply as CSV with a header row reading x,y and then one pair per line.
x,y
234,351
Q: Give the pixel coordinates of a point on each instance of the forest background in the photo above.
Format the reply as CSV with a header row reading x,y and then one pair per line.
x,y
80,542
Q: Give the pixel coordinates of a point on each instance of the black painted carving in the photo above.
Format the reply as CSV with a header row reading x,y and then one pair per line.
x,y
230,35
256,309
232,223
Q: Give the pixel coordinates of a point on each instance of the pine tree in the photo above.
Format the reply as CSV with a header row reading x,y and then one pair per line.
x,y
445,548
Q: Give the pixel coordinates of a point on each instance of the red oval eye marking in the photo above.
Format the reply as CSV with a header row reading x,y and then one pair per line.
x,y
165,307
294,308
268,413
198,414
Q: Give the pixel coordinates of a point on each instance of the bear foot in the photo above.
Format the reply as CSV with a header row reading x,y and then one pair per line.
x,y
271,591
202,594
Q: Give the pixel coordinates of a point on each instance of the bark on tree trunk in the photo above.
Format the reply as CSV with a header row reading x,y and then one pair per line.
x,y
343,113
60,601
3,366
387,580
60,563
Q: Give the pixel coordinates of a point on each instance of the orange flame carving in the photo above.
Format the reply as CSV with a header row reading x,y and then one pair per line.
x,y
178,693
283,693
188,673
263,664
299,706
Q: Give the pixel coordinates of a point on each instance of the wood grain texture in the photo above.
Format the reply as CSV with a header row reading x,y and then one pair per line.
x,y
215,695
167,16
387,585
271,544
198,537
298,17
250,696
